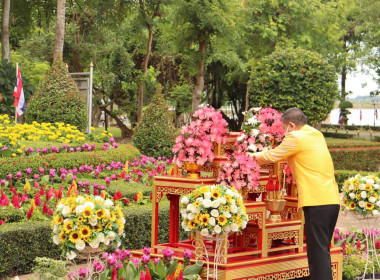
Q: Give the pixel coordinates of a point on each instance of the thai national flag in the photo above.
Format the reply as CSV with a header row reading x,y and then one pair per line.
x,y
340,121
376,115
18,93
361,116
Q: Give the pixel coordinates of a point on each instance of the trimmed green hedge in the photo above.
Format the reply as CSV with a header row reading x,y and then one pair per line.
x,y
343,175
356,159
11,214
21,243
338,135
43,144
129,189
67,160
351,127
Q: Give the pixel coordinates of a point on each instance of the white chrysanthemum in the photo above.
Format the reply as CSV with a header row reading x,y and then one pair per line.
x,y
56,229
66,211
191,216
217,229
184,216
80,245
184,200
79,209
60,207
214,213
230,192
107,241
234,227
351,195
56,239
211,221
207,195
227,228
108,203
189,206
351,187
361,204
93,220
253,120
363,194
252,148
215,203
222,200
375,212
98,199
361,187
255,132
80,200
71,255
244,224
370,182
100,237
89,204
122,220
200,199
187,229
378,203
94,244
372,199
233,209
204,232
227,214
183,224
206,203
376,186
183,211
111,235
196,210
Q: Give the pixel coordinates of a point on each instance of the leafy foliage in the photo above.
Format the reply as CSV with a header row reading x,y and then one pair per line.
x,y
357,159
295,78
58,99
155,135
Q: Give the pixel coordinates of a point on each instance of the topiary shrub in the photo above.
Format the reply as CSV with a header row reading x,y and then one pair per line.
x,y
295,78
57,99
155,134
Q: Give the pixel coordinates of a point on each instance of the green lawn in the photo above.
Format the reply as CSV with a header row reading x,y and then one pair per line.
x,y
116,132
336,142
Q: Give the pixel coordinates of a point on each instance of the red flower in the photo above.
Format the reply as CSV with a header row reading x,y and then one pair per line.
x,y
37,199
270,186
29,213
377,244
117,196
45,209
358,245
150,197
122,175
126,201
135,198
180,276
15,202
114,274
42,191
147,275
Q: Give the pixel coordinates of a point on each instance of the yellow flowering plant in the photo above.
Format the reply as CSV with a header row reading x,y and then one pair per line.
x,y
213,209
361,194
81,221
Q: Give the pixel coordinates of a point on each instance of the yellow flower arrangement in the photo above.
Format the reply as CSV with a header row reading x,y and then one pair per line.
x,y
83,221
212,210
361,194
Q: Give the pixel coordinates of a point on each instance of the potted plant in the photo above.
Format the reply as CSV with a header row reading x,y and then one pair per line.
x,y
194,147
84,224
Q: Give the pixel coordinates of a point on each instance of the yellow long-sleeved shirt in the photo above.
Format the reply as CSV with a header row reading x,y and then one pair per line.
x,y
311,165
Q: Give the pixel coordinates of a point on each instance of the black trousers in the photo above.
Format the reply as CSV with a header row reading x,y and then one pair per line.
x,y
320,223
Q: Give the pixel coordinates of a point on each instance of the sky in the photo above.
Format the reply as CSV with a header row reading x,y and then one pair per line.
x,y
356,81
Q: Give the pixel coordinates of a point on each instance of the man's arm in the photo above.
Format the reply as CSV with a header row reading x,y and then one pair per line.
x,y
287,148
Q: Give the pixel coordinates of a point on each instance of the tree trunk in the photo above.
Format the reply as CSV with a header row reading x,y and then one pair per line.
x,y
197,94
343,83
145,73
5,49
60,29
125,130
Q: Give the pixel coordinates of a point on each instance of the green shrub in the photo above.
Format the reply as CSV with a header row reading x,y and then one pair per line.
x,y
295,78
376,138
356,159
155,134
21,243
42,144
334,143
11,214
338,135
67,160
129,189
343,175
57,99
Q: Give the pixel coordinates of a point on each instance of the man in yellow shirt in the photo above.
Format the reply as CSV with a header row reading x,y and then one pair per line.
x,y
310,161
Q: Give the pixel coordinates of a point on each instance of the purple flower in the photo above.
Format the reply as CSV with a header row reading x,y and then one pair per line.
x,y
126,254
79,149
52,172
63,176
146,251
80,184
5,148
2,182
81,169
44,150
64,146
112,139
119,264
114,177
136,262
187,254
29,170
42,170
93,145
96,185
30,150
156,260
9,176
87,183
140,174
145,258
108,180
71,150
74,177
38,150
168,253
111,260
36,176
19,175
128,177
102,187
115,145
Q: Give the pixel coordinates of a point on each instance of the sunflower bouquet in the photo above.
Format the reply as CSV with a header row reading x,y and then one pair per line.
x,y
86,221
361,194
213,209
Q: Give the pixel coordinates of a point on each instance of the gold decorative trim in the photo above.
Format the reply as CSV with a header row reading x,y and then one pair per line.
x,y
282,235
251,236
161,191
258,217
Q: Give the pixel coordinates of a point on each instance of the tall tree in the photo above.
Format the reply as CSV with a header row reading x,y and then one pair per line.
x,y
149,10
5,49
60,28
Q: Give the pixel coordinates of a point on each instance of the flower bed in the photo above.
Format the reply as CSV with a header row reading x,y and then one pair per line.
x,y
361,160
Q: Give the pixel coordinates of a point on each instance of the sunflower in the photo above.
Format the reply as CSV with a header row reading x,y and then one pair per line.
x,y
100,213
112,216
74,236
58,219
87,212
191,224
227,208
97,228
70,200
222,220
357,196
228,198
345,199
369,206
197,204
204,189
109,225
368,187
80,219
375,195
73,208
119,213
352,205
216,193
68,226
356,188
203,220
85,231
120,229
62,236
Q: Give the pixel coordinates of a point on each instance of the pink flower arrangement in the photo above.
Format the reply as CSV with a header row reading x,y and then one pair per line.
x,y
240,171
271,124
195,144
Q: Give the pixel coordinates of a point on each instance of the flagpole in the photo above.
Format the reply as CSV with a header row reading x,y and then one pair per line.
x,y
16,83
